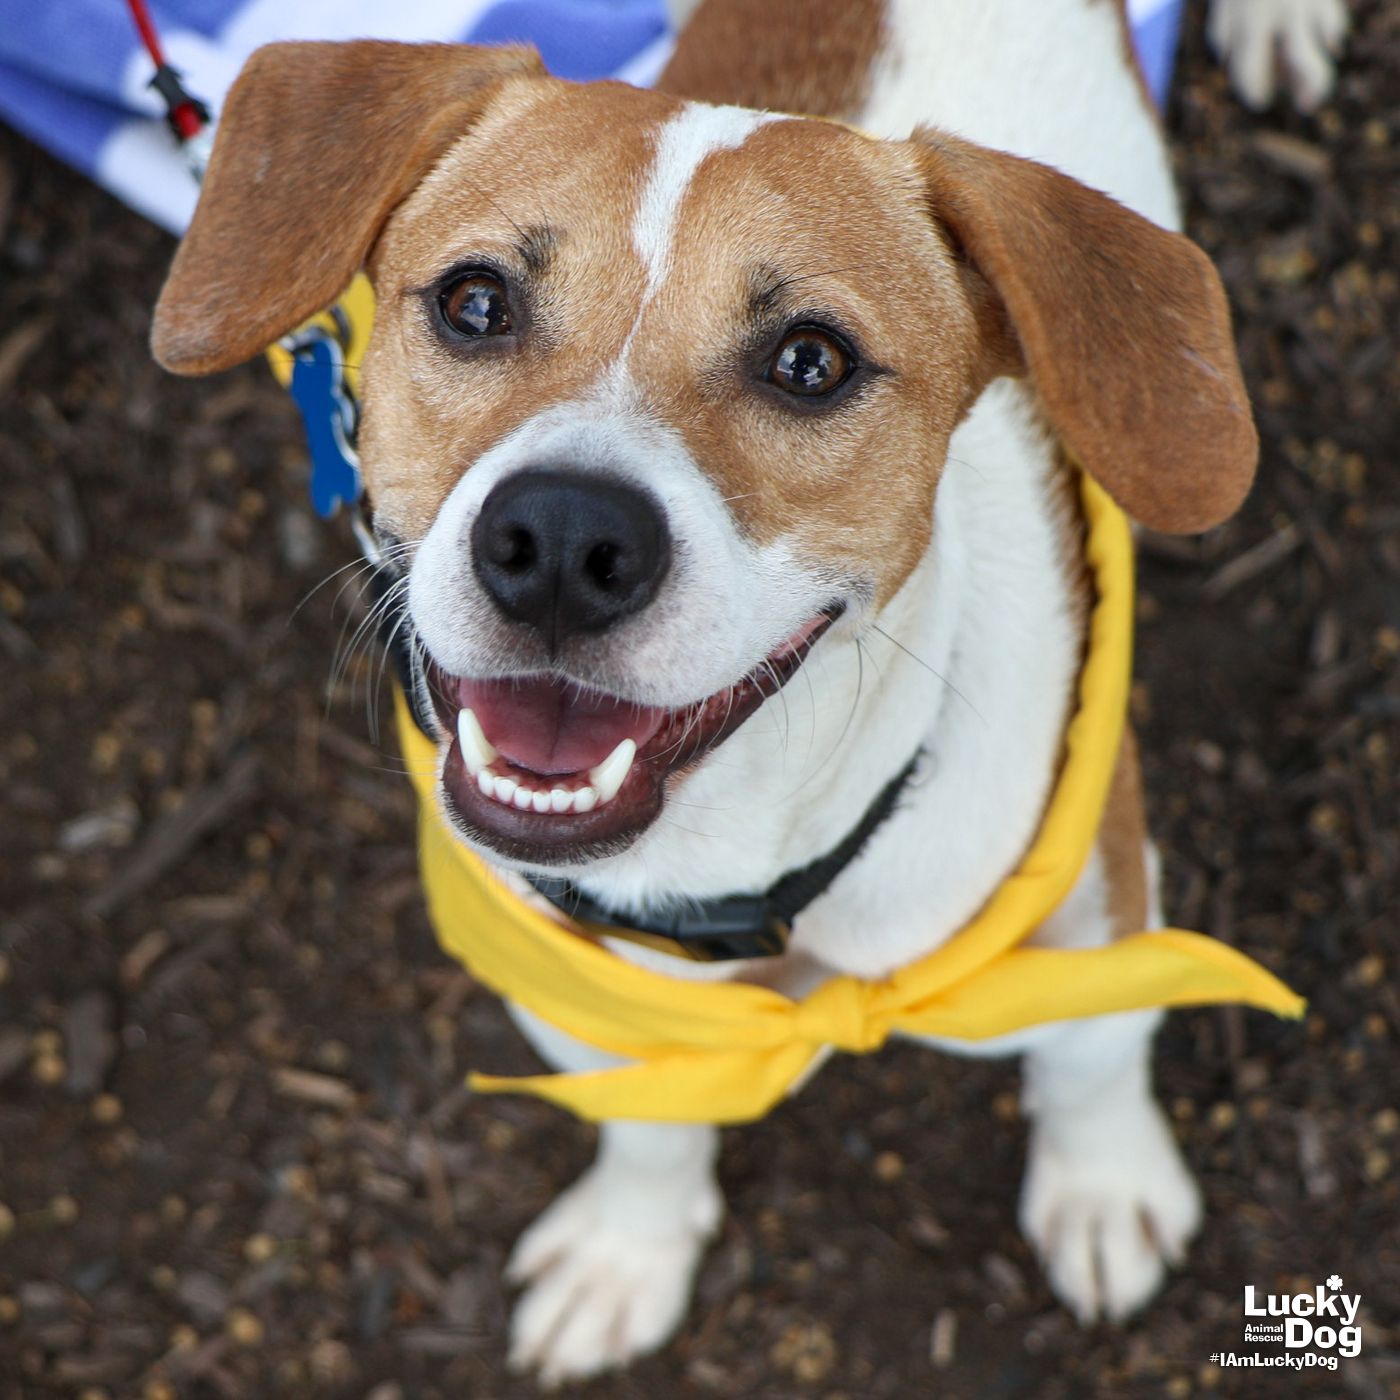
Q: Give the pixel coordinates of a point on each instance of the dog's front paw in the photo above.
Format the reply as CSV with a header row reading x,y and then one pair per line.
x,y
604,1284
1107,1223
1252,37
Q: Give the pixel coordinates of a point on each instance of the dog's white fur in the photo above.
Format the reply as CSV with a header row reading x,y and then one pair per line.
x,y
697,133
1253,38
608,1267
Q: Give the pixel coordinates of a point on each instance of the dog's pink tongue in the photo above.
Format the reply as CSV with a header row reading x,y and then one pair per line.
x,y
553,727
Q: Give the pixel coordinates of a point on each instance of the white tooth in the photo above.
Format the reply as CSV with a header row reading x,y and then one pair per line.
x,y
540,801
486,783
608,776
521,797
505,789
585,799
560,799
476,752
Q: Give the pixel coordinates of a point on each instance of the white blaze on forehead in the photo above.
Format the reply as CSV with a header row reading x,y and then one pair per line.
x,y
695,132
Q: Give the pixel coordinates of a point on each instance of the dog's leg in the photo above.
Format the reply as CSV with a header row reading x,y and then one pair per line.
x,y
1107,1202
1252,37
608,1267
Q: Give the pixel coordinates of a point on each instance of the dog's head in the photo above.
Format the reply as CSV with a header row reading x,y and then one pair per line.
x,y
659,392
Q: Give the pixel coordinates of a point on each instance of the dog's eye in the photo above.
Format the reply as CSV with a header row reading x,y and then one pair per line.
x,y
477,305
810,362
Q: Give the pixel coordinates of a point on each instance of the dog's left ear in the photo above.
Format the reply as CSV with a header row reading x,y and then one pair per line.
x,y
1122,326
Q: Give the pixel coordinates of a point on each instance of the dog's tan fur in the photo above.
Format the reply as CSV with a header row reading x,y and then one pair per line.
x,y
1122,839
790,63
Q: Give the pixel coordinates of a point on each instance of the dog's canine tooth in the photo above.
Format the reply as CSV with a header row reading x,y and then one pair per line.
x,y
476,752
608,776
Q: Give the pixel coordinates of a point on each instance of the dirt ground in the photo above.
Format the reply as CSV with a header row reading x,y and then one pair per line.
x,y
235,1159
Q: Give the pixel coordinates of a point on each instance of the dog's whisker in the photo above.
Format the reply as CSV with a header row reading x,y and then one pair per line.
x,y
373,693
689,831
812,716
963,462
781,691
366,625
870,656
938,675
356,565
813,772
702,806
392,599
400,770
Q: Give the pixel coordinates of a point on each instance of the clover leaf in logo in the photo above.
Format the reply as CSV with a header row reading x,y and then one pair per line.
x,y
1335,1282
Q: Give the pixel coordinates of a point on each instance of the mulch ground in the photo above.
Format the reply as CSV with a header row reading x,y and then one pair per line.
x,y
235,1159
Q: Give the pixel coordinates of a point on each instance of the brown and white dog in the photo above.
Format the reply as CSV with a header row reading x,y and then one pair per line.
x,y
783,380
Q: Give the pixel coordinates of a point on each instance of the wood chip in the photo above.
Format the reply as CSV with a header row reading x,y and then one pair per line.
x,y
1293,155
173,836
1256,560
944,1340
1319,1179
440,1341
323,1090
18,346
90,1042
143,955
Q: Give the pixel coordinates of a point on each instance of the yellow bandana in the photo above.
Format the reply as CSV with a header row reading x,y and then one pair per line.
x,y
356,308
727,1052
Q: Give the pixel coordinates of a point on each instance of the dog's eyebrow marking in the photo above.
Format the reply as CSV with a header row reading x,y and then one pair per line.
x,y
536,248
684,142
769,289
765,292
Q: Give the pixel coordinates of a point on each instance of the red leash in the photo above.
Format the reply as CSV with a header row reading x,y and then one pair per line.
x,y
187,115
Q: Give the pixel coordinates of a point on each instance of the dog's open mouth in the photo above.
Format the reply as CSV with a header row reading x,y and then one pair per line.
x,y
542,769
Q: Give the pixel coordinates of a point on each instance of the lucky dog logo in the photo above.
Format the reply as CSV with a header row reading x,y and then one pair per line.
x,y
1322,1323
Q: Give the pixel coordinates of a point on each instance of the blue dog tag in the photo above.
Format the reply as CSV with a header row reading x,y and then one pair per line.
x,y
329,415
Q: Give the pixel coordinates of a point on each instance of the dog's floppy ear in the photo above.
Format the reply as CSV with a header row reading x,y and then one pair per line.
x,y
316,144
1123,328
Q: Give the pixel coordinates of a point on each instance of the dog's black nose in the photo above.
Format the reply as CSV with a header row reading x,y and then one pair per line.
x,y
569,553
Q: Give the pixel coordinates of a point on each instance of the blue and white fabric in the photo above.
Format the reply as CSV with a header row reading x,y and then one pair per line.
x,y
73,75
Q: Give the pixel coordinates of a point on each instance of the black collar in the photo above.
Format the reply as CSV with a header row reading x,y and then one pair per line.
x,y
736,925
708,930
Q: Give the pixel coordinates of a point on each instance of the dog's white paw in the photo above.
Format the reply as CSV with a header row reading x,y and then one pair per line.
x,y
1106,1224
1252,38
604,1285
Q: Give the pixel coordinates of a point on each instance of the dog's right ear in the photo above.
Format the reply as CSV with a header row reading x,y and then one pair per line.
x,y
316,144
